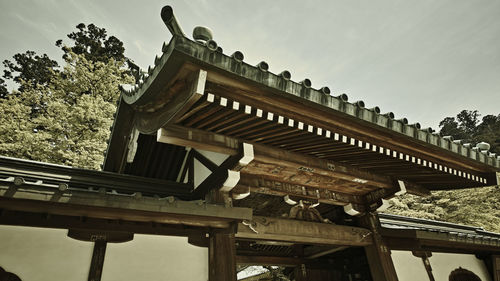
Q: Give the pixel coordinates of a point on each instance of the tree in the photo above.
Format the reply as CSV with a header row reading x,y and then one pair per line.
x,y
90,41
467,127
3,89
79,104
29,67
93,42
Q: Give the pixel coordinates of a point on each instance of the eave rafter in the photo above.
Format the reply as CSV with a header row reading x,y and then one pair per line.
x,y
221,115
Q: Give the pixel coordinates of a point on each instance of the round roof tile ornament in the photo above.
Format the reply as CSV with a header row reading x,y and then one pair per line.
x,y
202,34
483,146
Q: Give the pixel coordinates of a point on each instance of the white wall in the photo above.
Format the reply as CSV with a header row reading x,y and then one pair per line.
x,y
38,254
159,258
201,172
408,267
443,264
43,254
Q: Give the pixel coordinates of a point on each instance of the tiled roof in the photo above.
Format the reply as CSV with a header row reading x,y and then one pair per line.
x,y
439,229
210,53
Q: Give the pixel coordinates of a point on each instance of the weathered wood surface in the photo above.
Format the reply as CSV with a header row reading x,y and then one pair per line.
x,y
289,167
288,230
97,262
496,267
222,257
46,220
378,253
277,188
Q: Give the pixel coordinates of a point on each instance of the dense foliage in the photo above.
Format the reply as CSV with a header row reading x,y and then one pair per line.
x,y
63,115
467,126
474,206
77,109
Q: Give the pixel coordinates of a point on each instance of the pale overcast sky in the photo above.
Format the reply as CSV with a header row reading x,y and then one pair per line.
x,y
423,60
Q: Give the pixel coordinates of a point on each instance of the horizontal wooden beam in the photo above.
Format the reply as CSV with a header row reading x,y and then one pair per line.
x,y
287,230
325,252
289,163
198,139
46,220
276,188
120,207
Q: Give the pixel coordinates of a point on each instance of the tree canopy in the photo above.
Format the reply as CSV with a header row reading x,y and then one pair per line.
x,y
78,108
63,115
468,126
29,68
90,41
94,43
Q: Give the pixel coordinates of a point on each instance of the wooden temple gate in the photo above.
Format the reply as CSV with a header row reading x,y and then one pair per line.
x,y
258,168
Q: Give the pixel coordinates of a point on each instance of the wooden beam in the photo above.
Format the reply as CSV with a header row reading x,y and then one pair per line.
x,y
109,206
276,188
222,257
325,252
33,219
319,167
198,139
217,178
294,163
378,254
496,267
97,263
295,231
94,235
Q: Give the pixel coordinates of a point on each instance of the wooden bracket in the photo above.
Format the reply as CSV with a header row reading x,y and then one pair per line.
x,y
351,210
226,176
402,188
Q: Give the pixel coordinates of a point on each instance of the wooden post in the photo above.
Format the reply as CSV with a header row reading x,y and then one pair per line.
x,y
425,259
97,262
496,268
378,254
222,257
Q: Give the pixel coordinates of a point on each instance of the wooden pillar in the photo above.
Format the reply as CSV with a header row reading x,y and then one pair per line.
x,y
496,268
97,262
378,254
222,257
